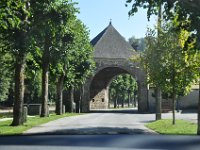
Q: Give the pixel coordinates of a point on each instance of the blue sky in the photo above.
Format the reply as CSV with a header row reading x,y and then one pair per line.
x,y
96,14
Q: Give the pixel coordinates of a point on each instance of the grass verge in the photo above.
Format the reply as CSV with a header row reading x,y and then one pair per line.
x,y
6,129
181,127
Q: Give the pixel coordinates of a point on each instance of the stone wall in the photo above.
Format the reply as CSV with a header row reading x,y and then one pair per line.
x,y
95,92
189,101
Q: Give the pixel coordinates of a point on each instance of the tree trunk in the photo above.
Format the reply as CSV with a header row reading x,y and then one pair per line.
x,y
19,81
71,99
173,108
115,102
198,125
19,91
66,100
158,90
173,92
45,78
122,101
131,97
158,103
134,100
81,98
128,100
59,101
45,82
109,99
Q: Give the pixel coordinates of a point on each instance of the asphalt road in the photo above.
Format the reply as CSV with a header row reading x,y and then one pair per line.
x,y
106,122
123,130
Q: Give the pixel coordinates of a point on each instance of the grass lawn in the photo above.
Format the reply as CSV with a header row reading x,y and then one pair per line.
x,y
6,129
181,127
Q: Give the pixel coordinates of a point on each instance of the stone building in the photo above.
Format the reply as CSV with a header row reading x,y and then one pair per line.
x,y
112,55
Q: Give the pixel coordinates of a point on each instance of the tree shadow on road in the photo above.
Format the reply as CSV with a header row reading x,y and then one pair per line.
x,y
96,131
125,111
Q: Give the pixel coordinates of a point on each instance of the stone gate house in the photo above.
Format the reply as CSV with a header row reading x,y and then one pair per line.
x,y
112,56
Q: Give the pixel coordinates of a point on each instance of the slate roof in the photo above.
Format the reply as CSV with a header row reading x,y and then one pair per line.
x,y
110,44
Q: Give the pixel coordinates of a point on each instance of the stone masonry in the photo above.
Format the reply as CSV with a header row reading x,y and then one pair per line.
x,y
112,56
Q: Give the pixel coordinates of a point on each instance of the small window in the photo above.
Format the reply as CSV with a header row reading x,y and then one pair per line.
x,y
102,99
93,100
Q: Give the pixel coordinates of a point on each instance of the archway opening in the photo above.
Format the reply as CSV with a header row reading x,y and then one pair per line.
x,y
103,95
123,91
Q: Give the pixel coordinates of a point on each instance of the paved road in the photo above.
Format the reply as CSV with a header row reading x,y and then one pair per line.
x,y
108,122
119,126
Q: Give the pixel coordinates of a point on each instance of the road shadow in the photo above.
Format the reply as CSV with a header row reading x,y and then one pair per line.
x,y
94,131
125,111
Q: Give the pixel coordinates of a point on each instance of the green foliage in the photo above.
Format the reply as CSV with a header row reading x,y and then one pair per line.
x,y
77,61
69,46
9,17
151,58
81,51
14,41
137,44
186,10
182,127
14,24
186,18
32,81
134,42
6,74
169,63
51,23
122,86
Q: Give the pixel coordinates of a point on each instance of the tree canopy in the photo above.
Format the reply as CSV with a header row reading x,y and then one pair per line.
x,y
123,89
182,10
171,64
38,37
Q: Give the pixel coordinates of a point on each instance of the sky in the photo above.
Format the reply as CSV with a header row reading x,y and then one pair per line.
x,y
96,15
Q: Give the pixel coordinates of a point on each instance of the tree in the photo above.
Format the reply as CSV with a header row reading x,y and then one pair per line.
x,y
15,28
174,61
158,11
134,42
133,90
181,72
151,60
122,87
76,64
81,63
137,44
51,28
186,10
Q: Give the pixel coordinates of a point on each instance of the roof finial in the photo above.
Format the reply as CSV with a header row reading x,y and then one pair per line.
x,y
110,22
